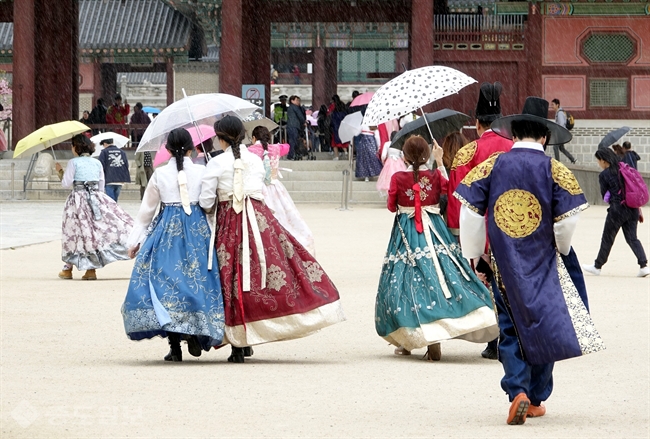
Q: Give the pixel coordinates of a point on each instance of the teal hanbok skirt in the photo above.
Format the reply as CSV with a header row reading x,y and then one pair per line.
x,y
427,291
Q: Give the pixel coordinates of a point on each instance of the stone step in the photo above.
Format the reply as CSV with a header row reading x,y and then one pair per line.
x,y
57,186
62,194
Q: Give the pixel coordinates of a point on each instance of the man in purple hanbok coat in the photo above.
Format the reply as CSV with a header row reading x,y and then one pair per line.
x,y
533,203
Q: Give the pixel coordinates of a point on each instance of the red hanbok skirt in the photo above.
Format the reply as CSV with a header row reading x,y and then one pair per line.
x,y
299,298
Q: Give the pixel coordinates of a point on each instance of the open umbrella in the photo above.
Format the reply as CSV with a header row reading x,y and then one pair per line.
x,y
350,126
48,136
118,140
187,112
362,99
413,90
255,120
152,110
205,132
612,137
441,123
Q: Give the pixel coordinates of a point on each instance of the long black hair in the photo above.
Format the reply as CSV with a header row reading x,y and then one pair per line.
x,y
609,156
262,134
179,142
230,129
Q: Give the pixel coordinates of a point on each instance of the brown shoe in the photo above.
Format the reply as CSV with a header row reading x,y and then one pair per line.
x,y
518,410
433,352
65,274
89,275
535,411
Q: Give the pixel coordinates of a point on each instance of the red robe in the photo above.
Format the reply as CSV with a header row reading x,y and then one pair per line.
x,y
466,159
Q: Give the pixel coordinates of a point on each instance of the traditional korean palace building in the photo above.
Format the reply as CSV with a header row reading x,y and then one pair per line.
x,y
593,55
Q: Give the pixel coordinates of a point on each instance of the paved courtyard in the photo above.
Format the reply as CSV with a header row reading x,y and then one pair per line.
x,y
68,370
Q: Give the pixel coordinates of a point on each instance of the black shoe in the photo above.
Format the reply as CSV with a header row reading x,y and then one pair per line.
x,y
236,355
248,351
490,353
175,353
193,346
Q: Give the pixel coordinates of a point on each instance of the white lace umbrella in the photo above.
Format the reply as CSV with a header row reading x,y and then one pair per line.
x,y
188,112
350,126
412,90
118,140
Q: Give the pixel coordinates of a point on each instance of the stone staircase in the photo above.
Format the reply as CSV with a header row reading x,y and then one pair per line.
x,y
317,181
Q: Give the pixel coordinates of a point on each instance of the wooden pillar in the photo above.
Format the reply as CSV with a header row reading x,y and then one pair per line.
x,y
169,65
319,80
331,75
421,34
73,38
230,65
534,42
256,46
98,91
24,70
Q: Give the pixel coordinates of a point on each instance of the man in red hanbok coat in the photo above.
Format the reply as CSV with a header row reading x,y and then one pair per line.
x,y
488,109
118,114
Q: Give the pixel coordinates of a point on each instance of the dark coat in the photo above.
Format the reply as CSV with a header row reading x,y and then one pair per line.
x,y
115,164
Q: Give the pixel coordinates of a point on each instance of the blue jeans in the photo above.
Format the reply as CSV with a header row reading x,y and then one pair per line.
x,y
536,381
113,191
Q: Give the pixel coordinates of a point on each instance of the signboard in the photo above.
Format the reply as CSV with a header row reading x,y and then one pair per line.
x,y
254,93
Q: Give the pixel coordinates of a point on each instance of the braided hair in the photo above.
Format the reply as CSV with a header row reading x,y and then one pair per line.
x,y
179,142
262,134
230,129
416,153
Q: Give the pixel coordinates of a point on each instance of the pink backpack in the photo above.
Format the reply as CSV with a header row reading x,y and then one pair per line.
x,y
634,188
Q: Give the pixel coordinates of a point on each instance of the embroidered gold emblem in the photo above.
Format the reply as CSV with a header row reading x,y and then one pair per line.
x,y
481,171
464,155
517,213
565,178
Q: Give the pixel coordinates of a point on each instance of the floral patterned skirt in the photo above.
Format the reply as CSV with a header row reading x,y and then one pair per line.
x,y
90,243
412,309
368,164
171,288
299,298
284,210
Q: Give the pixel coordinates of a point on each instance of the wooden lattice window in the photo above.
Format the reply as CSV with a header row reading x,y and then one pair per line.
x,y
610,48
608,92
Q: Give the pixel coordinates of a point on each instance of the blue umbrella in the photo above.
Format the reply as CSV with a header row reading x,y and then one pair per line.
x,y
612,137
152,110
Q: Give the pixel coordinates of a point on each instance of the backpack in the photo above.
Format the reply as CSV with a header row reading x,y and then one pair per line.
x,y
635,190
570,121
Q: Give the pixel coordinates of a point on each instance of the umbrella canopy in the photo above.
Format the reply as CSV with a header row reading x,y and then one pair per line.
x,y
118,140
255,120
350,126
205,132
612,137
202,108
362,99
152,110
413,89
441,123
47,136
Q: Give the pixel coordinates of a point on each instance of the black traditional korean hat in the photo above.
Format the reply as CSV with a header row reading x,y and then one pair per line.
x,y
535,110
488,107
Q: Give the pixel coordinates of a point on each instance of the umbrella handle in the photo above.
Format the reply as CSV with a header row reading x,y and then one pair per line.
x,y
427,124
53,155
195,123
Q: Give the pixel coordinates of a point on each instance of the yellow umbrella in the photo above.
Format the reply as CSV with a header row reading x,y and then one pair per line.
x,y
47,136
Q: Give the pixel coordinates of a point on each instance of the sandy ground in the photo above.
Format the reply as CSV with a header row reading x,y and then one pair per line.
x,y
68,370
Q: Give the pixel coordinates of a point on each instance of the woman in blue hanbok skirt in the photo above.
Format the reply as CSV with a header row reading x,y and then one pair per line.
x,y
172,293
368,164
427,291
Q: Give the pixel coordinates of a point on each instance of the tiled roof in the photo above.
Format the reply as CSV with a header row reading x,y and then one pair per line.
x,y
113,24
141,77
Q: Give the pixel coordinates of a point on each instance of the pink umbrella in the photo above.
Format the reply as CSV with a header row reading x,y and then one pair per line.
x,y
207,132
362,99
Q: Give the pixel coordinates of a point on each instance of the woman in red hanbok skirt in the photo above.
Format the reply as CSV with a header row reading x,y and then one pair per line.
x,y
273,289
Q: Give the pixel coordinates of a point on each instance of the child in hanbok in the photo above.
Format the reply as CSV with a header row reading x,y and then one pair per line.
x,y
95,228
173,291
393,160
427,291
275,194
274,289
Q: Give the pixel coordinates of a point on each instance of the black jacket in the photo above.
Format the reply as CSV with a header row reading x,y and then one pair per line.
x,y
296,117
631,157
115,164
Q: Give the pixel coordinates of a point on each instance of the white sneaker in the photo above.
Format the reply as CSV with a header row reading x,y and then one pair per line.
x,y
367,179
592,269
335,158
643,272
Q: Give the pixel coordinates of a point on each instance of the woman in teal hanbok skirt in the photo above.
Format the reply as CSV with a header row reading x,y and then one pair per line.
x,y
427,291
172,293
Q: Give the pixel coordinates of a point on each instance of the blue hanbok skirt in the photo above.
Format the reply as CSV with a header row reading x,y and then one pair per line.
x,y
368,164
171,289
422,300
